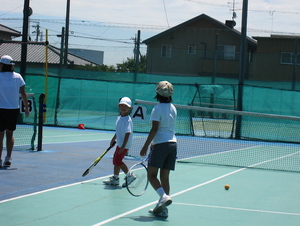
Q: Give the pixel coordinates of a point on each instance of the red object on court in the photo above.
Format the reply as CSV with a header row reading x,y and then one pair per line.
x,y
81,126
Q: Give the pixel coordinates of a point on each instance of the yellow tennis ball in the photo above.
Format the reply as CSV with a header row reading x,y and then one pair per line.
x,y
226,186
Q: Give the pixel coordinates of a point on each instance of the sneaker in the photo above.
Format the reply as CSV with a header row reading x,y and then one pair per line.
x,y
111,181
0,163
163,213
163,202
130,179
7,162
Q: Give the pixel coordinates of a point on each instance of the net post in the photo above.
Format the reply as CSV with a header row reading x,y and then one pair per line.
x,y
34,120
41,121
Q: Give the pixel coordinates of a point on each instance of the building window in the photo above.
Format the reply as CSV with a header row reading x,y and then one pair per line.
x,y
191,49
288,58
166,51
226,52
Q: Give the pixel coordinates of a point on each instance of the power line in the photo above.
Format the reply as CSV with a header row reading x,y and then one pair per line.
x,y
102,39
166,13
96,24
11,10
256,10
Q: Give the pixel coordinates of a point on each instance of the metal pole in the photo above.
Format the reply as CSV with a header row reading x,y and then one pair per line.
x,y
26,12
137,54
61,58
242,70
215,60
295,65
67,34
41,121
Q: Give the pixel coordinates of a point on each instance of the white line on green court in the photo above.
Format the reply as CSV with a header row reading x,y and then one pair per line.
x,y
124,214
178,193
189,189
239,209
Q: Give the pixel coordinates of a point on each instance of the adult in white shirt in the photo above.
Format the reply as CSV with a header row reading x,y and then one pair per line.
x,y
11,86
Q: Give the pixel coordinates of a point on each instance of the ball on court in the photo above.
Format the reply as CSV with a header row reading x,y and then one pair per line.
x,y
226,186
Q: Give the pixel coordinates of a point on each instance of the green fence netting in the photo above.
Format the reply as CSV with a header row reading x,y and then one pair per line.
x,y
91,98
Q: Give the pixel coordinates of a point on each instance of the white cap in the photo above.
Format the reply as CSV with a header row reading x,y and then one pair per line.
x,y
126,101
7,60
164,88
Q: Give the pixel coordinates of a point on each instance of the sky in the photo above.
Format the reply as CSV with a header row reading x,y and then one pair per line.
x,y
111,26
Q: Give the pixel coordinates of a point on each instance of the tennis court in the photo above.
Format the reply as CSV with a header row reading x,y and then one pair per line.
x,y
46,188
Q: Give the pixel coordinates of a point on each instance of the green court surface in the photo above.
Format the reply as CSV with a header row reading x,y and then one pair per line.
x,y
256,197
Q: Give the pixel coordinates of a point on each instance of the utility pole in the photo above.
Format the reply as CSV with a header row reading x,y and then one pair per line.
x,y
26,13
213,79
61,58
295,58
137,53
242,69
37,31
67,34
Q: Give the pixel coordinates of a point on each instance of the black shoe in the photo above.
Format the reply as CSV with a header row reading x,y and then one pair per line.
x,y
7,162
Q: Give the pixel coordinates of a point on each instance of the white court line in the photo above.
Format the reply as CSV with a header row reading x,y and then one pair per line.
x,y
52,189
189,189
239,209
74,135
220,152
70,142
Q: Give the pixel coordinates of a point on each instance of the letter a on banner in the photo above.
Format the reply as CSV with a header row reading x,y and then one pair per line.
x,y
139,112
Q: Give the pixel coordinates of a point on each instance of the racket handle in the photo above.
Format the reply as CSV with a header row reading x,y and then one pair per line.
x,y
113,144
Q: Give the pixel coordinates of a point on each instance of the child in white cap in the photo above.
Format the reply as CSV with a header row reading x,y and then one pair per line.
x,y
123,137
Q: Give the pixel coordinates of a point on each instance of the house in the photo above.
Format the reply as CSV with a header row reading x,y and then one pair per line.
x,y
201,46
8,34
274,58
36,55
92,55
36,52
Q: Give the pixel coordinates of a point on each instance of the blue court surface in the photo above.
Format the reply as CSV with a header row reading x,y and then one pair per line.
x,y
47,188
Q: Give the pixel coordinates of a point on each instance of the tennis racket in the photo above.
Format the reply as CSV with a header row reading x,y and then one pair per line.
x,y
97,160
137,179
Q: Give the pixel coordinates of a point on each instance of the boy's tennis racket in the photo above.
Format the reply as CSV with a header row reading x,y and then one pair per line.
x,y
138,186
96,161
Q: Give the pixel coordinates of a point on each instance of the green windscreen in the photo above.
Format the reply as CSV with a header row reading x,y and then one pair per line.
x,y
90,98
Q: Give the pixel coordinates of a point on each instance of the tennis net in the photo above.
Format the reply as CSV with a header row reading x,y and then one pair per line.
x,y
26,129
229,138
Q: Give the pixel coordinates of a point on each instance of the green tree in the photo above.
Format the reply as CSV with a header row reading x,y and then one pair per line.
x,y
126,66
129,65
103,67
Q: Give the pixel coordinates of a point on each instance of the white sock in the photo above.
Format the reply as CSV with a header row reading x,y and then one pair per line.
x,y
116,177
160,191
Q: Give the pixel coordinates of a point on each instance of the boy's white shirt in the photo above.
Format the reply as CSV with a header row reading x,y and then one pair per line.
x,y
124,125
